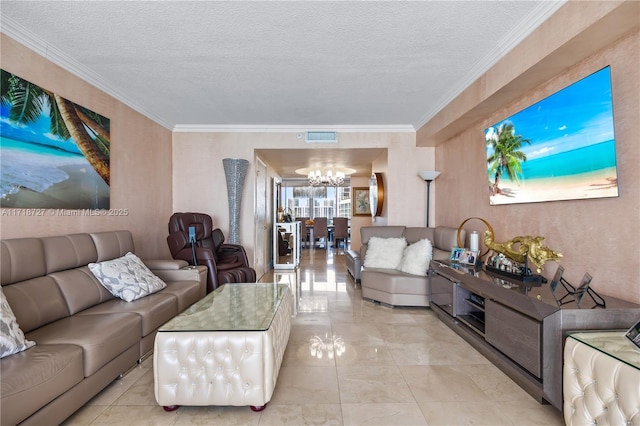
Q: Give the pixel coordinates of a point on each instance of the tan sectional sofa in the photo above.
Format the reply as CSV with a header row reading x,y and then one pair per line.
x,y
398,288
85,337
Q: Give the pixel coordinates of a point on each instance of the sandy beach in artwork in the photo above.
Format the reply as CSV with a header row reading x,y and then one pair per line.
x,y
598,184
84,189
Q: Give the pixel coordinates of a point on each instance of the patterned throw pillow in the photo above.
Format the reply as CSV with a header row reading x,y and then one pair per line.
x,y
127,277
12,339
416,258
384,253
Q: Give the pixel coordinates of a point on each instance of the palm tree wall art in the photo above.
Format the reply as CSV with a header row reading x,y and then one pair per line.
x,y
53,152
505,159
560,148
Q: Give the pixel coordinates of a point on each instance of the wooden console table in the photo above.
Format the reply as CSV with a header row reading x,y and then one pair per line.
x,y
520,328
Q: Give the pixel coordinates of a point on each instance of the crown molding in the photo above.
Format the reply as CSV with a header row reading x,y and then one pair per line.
x,y
268,128
536,17
23,36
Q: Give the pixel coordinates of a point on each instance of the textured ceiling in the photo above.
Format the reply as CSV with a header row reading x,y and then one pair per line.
x,y
217,65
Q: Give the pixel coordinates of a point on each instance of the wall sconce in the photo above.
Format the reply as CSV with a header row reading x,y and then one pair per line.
x,y
428,176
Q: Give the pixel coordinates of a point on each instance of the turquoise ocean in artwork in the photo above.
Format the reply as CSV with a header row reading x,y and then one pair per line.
x,y
586,159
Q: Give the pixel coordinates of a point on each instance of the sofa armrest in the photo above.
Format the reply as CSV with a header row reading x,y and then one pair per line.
x,y
178,270
446,238
159,264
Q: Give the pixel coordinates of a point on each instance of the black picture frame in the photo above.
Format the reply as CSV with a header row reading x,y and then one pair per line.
x,y
633,334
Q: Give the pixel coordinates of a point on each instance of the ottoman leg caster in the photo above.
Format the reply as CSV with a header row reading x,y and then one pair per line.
x,y
169,408
258,409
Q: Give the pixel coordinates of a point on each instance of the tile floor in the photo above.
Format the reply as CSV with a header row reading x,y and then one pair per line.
x,y
348,362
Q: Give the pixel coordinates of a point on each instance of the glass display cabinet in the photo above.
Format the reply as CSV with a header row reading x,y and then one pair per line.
x,y
286,245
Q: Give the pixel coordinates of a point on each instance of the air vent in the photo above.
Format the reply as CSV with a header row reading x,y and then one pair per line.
x,y
322,137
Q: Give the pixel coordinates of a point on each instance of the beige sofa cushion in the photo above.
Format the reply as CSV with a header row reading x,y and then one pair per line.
x,y
12,338
33,378
154,310
36,302
101,337
21,259
68,251
415,234
394,287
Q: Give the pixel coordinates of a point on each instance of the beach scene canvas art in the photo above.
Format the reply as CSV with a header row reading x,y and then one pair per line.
x,y
560,148
53,153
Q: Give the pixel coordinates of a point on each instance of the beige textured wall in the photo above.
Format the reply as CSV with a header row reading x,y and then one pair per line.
x,y
140,162
598,235
199,182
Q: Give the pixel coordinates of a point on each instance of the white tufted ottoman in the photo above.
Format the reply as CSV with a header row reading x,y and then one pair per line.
x,y
601,379
224,350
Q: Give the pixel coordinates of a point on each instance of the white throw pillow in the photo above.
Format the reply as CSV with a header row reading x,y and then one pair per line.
x,y
416,258
12,339
127,277
384,252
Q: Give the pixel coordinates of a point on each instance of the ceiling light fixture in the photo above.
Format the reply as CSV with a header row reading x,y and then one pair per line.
x,y
328,179
331,177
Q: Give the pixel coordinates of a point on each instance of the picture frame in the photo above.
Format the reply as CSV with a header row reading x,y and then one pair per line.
x,y
360,201
469,257
50,160
583,288
554,284
456,254
547,144
633,334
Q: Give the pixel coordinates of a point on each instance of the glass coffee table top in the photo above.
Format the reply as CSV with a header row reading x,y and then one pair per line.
x,y
231,307
612,343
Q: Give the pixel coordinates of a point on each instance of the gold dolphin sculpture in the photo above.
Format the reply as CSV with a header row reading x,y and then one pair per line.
x,y
528,246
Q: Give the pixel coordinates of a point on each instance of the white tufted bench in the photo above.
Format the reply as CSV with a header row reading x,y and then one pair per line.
x,y
226,349
601,379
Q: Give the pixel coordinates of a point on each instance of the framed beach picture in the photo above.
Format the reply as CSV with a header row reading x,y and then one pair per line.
x,y
560,148
360,202
54,154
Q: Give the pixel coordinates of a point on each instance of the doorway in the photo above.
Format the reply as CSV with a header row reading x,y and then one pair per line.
x,y
262,253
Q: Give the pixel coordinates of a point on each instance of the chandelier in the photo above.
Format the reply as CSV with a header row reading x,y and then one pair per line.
x,y
332,176
328,179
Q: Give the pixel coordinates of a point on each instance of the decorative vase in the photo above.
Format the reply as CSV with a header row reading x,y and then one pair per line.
x,y
235,170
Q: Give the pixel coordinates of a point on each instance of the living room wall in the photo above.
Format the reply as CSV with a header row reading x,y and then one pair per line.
x,y
140,162
199,182
597,235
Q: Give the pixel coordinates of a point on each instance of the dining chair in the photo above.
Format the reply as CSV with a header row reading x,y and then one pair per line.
x,y
340,231
320,230
304,231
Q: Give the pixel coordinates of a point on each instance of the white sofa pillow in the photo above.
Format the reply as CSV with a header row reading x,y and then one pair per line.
x,y
384,252
127,277
416,258
12,339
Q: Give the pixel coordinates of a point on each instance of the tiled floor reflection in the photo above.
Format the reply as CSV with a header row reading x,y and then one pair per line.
x,y
348,362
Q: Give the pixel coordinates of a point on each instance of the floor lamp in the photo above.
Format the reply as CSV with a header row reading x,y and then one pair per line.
x,y
428,176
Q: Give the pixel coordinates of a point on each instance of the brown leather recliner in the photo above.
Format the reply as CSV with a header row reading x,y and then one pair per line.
x,y
226,263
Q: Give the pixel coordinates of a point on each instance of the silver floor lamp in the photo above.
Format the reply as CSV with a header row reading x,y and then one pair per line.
x,y
428,176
